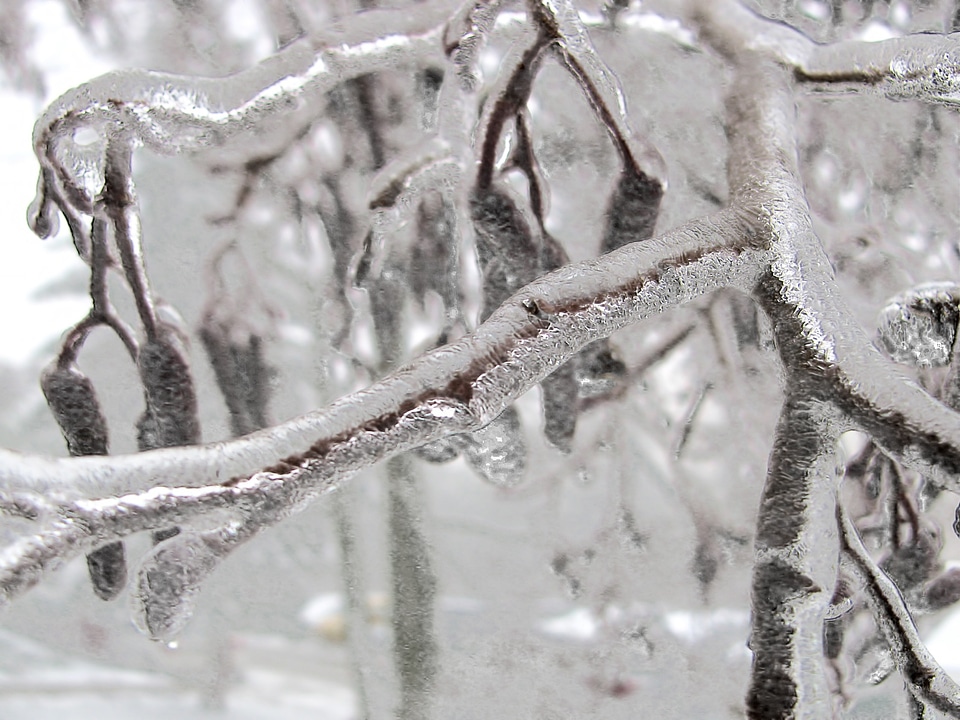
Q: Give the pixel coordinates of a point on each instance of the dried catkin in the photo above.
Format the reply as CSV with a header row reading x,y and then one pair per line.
x,y
170,418
73,401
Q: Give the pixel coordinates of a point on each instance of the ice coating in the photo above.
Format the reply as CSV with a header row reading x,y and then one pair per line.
x,y
475,378
171,114
914,67
763,244
919,327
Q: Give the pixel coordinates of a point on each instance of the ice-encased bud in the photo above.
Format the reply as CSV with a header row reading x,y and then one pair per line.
x,y
170,418
73,402
169,581
942,591
498,451
918,327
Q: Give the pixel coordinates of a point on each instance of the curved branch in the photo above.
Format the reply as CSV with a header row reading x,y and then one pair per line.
x,y
454,389
172,114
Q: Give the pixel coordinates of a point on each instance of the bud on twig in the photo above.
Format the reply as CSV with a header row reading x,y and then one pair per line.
x,y
170,418
73,402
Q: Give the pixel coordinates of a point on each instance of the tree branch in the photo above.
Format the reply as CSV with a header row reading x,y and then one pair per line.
x,y
926,680
795,570
451,390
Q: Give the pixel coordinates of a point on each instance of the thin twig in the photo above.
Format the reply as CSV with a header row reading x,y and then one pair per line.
x,y
927,681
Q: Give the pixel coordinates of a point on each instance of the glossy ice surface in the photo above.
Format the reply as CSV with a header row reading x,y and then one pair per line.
x,y
489,360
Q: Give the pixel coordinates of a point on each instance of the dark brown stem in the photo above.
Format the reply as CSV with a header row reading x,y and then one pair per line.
x,y
511,100
119,204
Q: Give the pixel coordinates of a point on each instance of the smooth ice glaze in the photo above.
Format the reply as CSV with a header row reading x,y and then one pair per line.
x,y
540,312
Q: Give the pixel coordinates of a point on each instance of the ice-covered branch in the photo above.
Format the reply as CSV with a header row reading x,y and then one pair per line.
x,y
174,114
795,569
454,389
921,67
814,327
924,677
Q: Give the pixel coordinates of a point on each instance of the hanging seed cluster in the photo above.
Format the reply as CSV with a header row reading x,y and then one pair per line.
x,y
73,401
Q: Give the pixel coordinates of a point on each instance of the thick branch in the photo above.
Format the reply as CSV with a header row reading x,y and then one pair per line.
x,y
816,332
796,564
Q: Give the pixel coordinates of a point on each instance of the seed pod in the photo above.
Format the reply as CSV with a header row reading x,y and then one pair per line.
x,y
834,633
242,376
73,402
171,415
942,591
433,258
632,212
107,567
170,418
508,255
559,393
911,564
559,389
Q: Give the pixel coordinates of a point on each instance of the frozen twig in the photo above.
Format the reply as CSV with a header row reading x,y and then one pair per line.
x,y
175,114
454,389
921,67
926,680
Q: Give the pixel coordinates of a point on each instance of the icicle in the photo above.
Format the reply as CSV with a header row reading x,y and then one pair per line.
x,y
497,452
